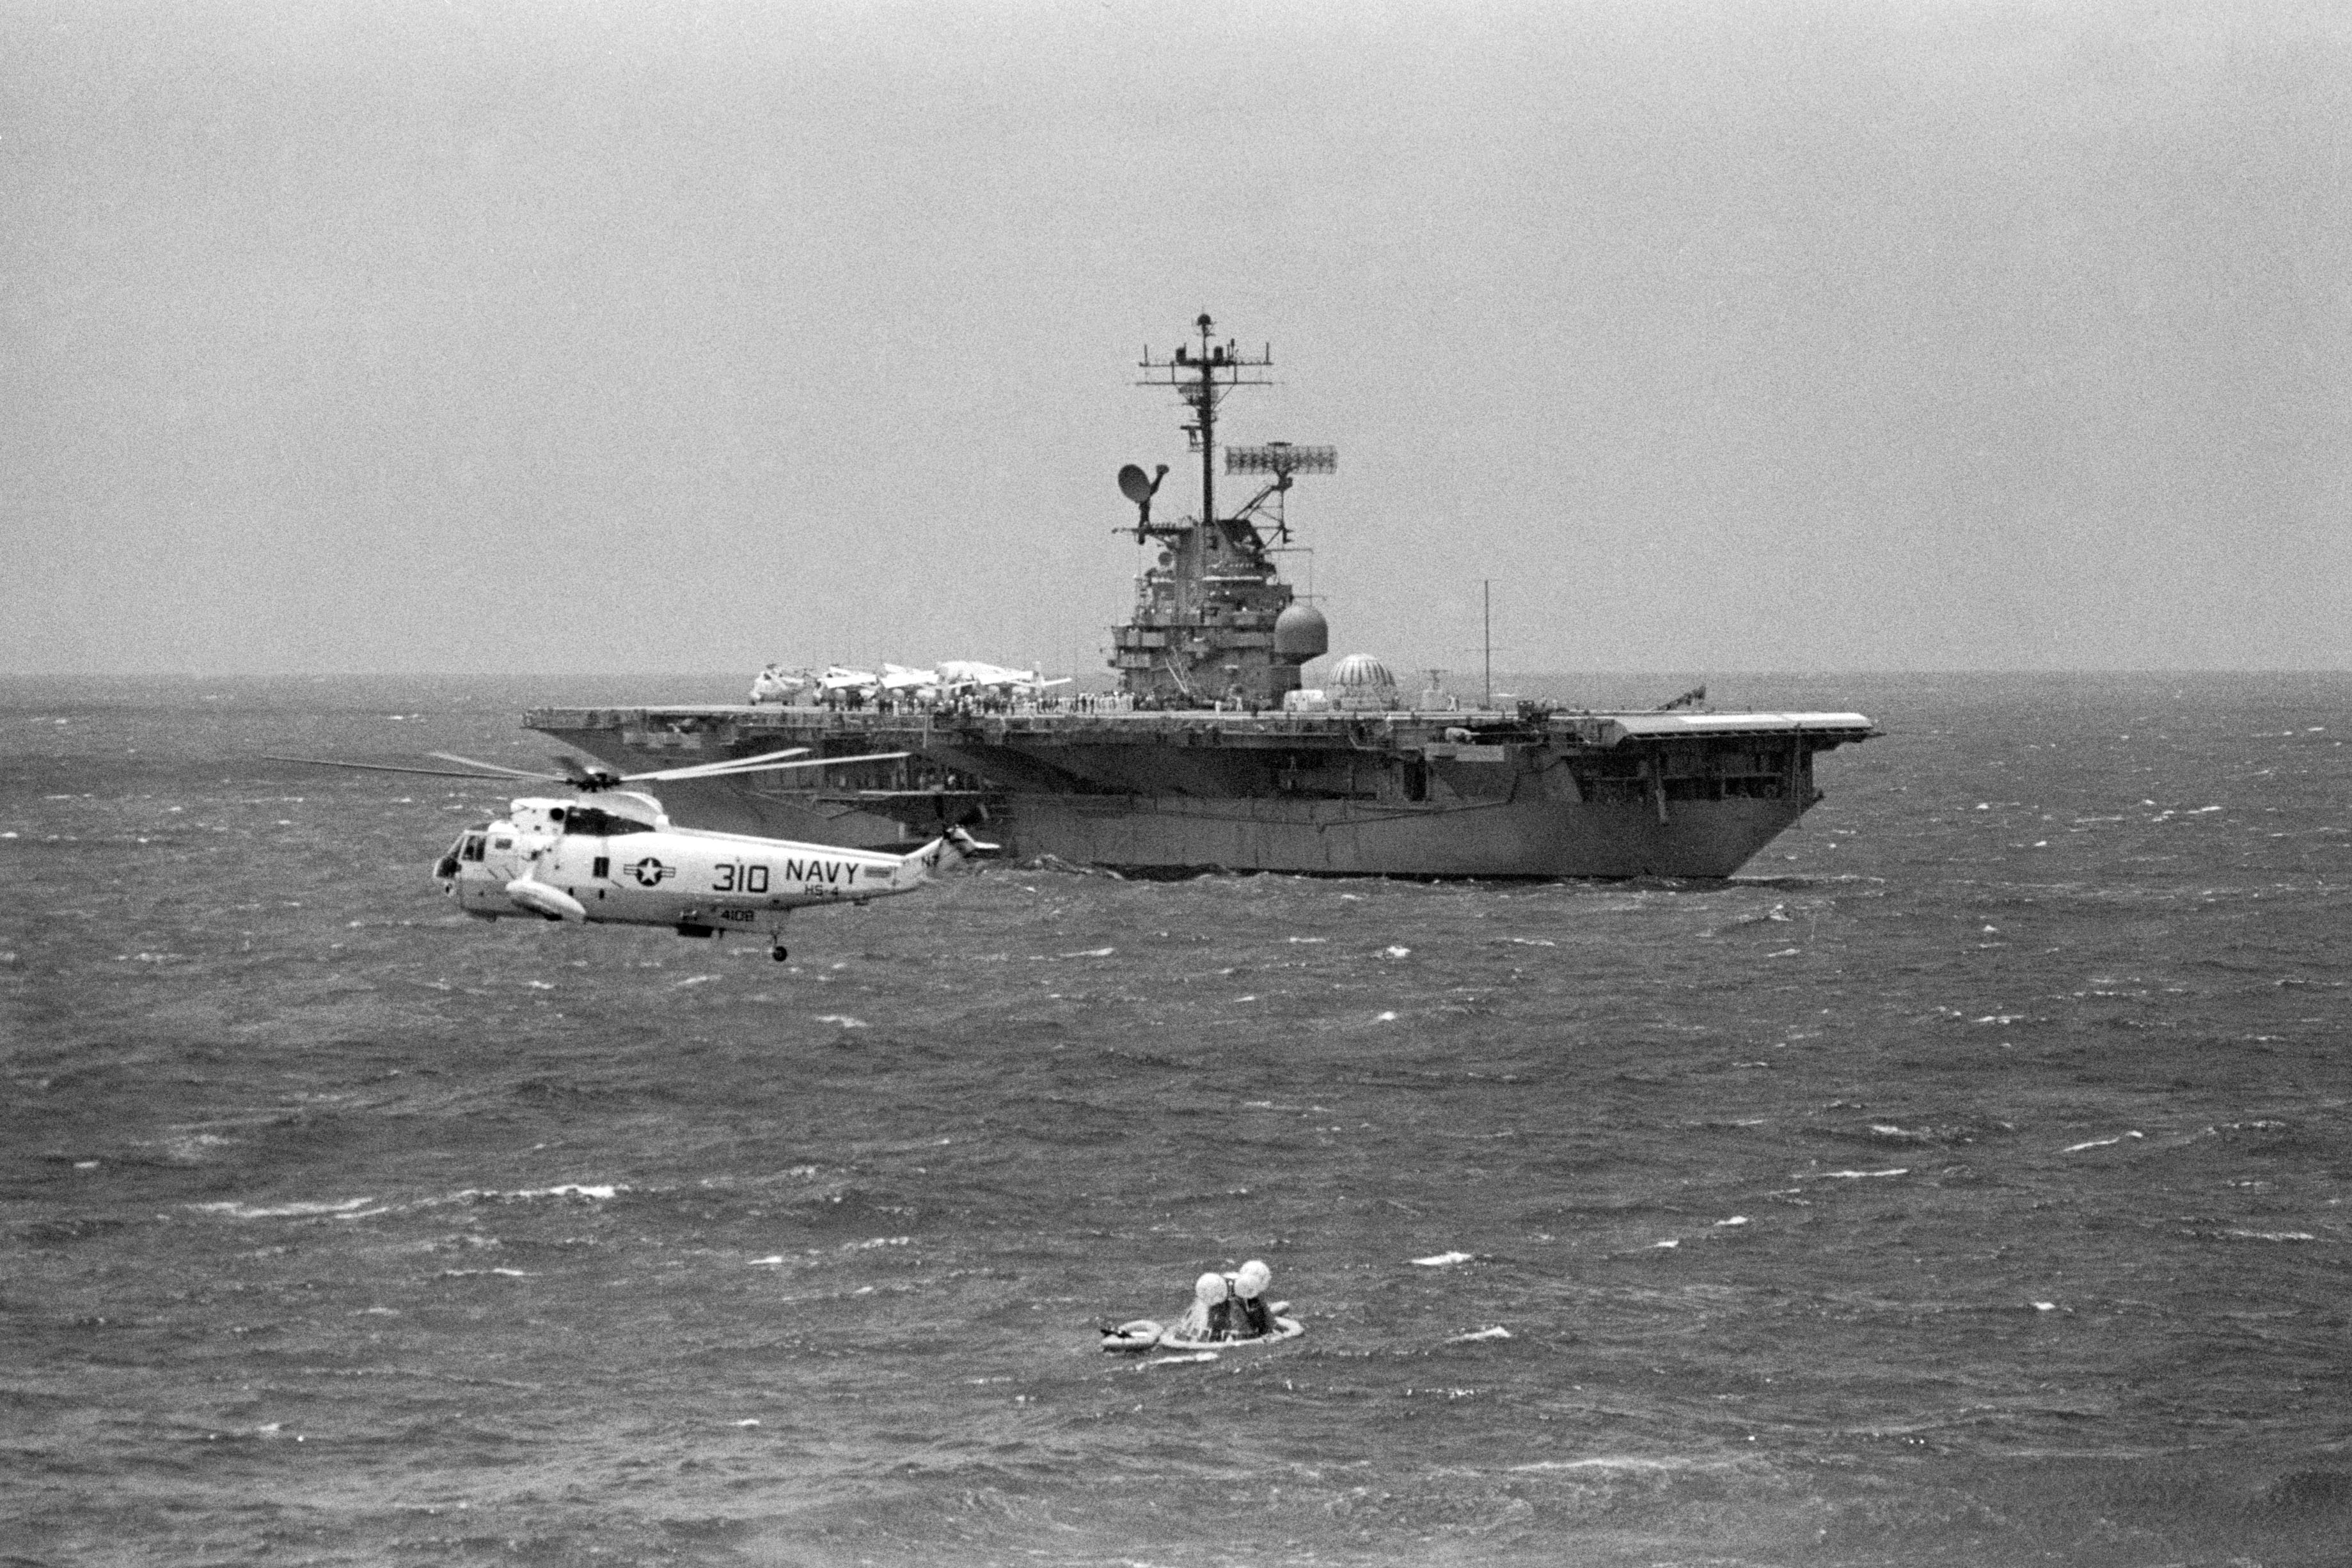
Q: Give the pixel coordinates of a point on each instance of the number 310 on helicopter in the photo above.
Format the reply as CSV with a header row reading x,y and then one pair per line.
x,y
608,855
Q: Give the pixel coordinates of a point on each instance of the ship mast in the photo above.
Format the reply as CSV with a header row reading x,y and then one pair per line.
x,y
1205,624
1202,377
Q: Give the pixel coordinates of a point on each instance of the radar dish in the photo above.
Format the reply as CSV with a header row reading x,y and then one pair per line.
x,y
1135,484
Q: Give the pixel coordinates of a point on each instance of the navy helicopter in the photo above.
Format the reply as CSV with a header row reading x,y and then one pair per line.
x,y
609,855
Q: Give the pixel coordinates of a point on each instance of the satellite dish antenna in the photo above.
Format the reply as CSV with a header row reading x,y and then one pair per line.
x,y
1139,490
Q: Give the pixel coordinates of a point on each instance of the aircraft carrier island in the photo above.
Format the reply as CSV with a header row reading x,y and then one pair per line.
x,y
1211,755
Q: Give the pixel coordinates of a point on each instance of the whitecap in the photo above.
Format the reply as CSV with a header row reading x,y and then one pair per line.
x,y
1848,1176
1400,952
1442,1260
1735,1220
1385,1017
1497,1332
1092,953
281,1211
844,1019
2099,1143
2273,1234
1612,1463
692,981
567,1189
190,1147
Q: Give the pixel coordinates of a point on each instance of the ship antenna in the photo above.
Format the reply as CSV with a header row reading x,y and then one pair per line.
x,y
1208,407
1200,378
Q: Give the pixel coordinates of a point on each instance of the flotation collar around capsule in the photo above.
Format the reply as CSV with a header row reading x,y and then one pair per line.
x,y
1146,1334
1284,1328
1141,1333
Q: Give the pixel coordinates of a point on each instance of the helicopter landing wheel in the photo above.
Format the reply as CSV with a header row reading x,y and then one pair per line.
x,y
779,953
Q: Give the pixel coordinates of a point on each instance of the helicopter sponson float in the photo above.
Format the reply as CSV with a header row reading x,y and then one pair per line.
x,y
610,855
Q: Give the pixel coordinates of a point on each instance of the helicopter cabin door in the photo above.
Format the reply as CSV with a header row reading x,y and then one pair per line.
x,y
596,862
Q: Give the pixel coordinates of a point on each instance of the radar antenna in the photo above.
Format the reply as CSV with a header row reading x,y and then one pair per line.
x,y
1282,460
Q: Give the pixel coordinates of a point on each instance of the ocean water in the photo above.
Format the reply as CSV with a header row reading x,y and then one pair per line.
x,y
1966,1182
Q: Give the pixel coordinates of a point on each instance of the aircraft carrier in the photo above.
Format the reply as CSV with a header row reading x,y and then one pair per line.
x,y
1211,755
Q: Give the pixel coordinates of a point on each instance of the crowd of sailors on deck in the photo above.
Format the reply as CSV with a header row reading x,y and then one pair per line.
x,y
995,691
921,691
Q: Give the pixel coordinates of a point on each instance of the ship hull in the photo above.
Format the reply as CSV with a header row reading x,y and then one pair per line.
x,y
1172,794
1524,839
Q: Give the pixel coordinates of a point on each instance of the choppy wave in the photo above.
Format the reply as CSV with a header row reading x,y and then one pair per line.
x,y
1956,1186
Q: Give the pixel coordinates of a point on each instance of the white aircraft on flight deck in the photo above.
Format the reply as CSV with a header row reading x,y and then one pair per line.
x,y
776,685
918,684
839,682
961,676
614,858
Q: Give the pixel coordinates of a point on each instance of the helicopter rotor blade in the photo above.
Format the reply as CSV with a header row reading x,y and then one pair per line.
x,y
755,765
489,767
728,765
389,767
575,770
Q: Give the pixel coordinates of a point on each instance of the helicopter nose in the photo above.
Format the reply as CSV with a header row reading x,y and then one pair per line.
x,y
446,867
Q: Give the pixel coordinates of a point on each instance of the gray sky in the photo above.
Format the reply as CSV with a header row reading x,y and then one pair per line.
x,y
394,336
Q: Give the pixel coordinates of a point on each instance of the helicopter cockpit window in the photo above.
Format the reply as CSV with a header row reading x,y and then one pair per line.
x,y
595,822
473,850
